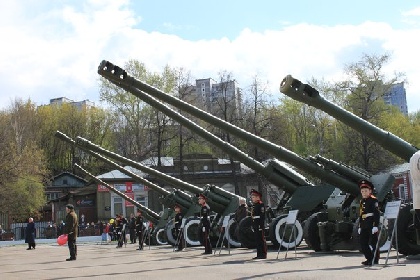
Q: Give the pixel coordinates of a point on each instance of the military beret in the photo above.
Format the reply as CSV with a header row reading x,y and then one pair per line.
x,y
365,184
70,206
177,206
255,192
202,196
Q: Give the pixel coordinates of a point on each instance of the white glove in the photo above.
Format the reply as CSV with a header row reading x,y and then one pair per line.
x,y
374,230
359,230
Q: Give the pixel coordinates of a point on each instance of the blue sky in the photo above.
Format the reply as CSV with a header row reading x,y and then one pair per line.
x,y
217,19
51,48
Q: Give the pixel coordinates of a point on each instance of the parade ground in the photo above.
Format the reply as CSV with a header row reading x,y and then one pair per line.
x,y
105,261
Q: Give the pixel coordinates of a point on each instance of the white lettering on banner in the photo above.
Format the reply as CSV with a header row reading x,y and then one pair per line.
x,y
123,187
102,188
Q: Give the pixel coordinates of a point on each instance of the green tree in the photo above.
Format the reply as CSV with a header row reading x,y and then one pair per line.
x,y
23,169
365,87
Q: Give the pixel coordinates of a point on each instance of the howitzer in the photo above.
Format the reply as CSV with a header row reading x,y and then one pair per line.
x,y
144,91
185,201
338,238
221,202
121,78
408,229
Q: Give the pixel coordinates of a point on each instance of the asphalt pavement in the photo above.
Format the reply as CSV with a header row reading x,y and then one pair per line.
x,y
98,260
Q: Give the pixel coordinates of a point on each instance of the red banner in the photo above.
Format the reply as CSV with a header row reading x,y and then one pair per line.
x,y
128,203
128,187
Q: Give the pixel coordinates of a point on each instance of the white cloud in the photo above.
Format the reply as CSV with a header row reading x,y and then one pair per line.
x,y
56,53
412,12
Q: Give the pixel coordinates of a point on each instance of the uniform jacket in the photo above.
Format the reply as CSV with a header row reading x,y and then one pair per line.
x,y
204,215
139,223
369,213
72,225
178,220
258,215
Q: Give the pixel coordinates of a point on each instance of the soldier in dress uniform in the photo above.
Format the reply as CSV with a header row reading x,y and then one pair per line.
x,y
368,222
178,230
139,229
258,218
205,224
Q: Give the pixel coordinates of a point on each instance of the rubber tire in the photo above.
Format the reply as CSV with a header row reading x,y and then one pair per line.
x,y
191,228
246,235
311,233
276,230
152,239
169,231
231,235
407,243
160,236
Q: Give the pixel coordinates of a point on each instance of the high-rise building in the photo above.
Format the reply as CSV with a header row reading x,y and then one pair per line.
x,y
85,104
397,97
211,95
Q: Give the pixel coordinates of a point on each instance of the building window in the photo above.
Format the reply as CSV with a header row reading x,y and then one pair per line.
x,y
142,200
64,181
117,206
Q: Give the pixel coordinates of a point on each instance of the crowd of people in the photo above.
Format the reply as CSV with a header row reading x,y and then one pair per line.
x,y
121,229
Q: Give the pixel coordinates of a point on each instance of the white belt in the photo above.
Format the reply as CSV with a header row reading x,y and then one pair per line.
x,y
256,217
364,216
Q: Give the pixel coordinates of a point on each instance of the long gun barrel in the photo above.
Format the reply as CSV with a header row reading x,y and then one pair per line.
x,y
347,171
285,179
307,94
157,188
82,142
169,199
148,214
120,77
219,199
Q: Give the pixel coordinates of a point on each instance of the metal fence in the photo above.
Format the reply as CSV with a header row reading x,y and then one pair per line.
x,y
44,230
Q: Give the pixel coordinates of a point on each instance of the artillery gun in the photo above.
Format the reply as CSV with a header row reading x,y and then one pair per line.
x,y
220,201
346,211
158,234
408,226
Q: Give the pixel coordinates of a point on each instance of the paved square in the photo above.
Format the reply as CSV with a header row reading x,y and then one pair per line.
x,y
96,261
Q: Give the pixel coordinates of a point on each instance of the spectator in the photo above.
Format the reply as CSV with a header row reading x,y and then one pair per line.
x,y
101,227
132,227
30,234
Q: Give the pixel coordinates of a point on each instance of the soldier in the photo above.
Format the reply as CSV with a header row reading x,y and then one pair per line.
x,y
204,224
368,222
258,218
178,230
119,230
71,228
132,227
139,229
